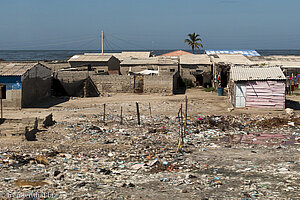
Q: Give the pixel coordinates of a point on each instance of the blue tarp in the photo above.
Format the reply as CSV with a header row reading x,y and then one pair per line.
x,y
243,52
11,82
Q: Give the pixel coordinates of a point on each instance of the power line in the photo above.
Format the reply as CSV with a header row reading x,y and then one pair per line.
x,y
111,42
52,44
127,41
49,39
86,43
109,45
90,44
106,46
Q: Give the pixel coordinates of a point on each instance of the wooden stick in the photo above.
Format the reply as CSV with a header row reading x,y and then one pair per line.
x,y
104,113
181,111
1,110
138,113
185,116
121,122
150,110
180,136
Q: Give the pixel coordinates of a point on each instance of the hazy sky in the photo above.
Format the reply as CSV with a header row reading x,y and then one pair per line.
x,y
156,24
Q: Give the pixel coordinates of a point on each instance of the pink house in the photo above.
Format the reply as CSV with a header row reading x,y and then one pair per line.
x,y
257,87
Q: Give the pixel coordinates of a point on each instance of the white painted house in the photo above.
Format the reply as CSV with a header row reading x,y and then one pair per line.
x,y
257,87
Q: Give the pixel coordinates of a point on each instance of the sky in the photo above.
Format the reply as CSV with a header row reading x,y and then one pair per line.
x,y
151,25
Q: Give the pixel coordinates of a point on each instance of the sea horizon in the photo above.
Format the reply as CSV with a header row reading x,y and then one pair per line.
x,y
36,55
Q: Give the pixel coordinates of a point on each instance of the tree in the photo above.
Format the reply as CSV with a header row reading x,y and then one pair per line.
x,y
194,41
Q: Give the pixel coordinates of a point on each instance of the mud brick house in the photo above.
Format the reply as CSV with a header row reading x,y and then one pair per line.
x,y
164,65
26,83
198,68
94,62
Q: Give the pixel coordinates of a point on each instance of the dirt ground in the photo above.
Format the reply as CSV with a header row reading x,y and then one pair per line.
x,y
97,160
199,102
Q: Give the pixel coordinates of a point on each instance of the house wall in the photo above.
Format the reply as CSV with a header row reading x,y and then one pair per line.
x,y
114,83
265,94
36,85
13,91
75,64
163,70
125,69
231,92
159,84
100,69
186,71
72,81
113,64
168,70
176,77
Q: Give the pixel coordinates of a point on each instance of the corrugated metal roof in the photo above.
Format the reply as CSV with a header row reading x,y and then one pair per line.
x,y
290,67
15,69
124,54
116,55
237,59
195,59
280,60
136,54
149,61
243,52
90,57
176,53
256,73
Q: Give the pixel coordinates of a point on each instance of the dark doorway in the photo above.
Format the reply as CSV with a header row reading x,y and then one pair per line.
x,y
224,79
199,80
57,88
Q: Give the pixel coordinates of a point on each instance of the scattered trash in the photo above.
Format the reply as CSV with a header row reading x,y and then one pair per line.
x,y
42,160
247,156
25,183
289,111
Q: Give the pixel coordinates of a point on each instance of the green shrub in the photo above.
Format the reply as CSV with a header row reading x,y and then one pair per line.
x,y
188,83
211,89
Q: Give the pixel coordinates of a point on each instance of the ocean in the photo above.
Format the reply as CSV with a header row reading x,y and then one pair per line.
x,y
34,55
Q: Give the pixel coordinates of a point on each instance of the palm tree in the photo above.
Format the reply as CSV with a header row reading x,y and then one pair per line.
x,y
193,41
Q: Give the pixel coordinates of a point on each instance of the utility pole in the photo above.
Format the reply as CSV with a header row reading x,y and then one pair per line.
x,y
102,40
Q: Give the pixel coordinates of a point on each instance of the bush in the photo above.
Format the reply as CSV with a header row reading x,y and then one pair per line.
x,y
188,83
211,89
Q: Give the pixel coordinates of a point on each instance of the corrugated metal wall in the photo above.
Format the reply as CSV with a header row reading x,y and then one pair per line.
x,y
265,94
11,82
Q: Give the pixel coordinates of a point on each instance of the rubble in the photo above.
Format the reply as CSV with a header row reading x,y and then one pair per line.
x,y
30,134
289,111
48,121
223,157
25,183
42,160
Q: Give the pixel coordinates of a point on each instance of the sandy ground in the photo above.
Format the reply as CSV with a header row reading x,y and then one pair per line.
x,y
207,169
199,102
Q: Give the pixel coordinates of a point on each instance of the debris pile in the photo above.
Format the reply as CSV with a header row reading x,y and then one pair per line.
x,y
225,157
